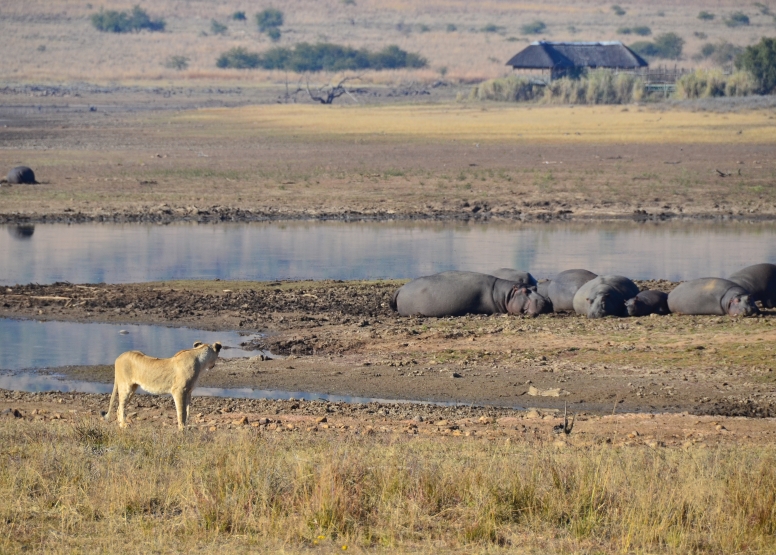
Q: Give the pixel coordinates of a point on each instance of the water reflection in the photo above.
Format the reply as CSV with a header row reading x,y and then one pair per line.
x,y
35,383
34,344
21,232
124,253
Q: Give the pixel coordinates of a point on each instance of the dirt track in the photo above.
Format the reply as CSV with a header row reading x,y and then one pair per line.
x,y
342,338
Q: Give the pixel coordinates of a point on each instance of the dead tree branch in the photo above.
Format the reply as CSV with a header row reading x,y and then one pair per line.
x,y
328,94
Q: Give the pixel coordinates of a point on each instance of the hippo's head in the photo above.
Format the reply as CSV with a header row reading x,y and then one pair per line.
x,y
743,305
604,304
525,300
634,307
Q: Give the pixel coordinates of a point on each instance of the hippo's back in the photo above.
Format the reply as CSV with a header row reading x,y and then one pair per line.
x,y
565,285
518,276
447,294
702,296
21,175
619,288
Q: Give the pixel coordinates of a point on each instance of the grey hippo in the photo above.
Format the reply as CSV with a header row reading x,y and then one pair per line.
x,y
648,302
21,175
518,276
760,281
711,296
458,293
564,286
604,296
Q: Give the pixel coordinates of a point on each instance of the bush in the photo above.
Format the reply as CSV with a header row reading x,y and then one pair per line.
x,y
451,28
177,62
705,16
507,89
618,10
122,22
274,34
642,30
217,28
760,61
667,45
269,19
703,83
321,57
737,19
491,28
721,53
624,30
238,58
239,16
533,28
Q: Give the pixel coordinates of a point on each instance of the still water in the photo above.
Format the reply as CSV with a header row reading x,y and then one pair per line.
x,y
37,345
125,253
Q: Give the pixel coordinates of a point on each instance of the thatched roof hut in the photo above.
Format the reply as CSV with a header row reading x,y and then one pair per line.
x,y
564,58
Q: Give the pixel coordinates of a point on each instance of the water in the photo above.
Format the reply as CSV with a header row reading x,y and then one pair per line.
x,y
31,344
126,253
30,382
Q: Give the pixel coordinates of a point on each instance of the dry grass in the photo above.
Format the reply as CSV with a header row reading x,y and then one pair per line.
x,y
75,51
521,124
89,487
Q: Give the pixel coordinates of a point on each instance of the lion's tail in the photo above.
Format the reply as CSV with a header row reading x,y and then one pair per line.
x,y
112,398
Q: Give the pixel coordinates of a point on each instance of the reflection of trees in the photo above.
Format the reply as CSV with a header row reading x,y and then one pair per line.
x,y
21,231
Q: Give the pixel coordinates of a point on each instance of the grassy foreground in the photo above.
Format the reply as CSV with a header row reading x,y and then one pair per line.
x,y
91,487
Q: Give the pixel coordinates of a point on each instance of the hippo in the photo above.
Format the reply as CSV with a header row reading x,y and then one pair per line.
x,y
711,296
563,287
21,175
22,231
604,296
760,281
523,278
543,288
648,302
458,293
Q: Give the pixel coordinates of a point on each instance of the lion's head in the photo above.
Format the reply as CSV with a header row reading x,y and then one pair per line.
x,y
208,354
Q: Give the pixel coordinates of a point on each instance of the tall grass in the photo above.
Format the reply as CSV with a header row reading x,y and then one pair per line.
x,y
705,83
597,87
95,488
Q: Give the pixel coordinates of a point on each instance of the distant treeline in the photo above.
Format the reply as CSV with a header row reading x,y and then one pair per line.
x,y
112,21
320,57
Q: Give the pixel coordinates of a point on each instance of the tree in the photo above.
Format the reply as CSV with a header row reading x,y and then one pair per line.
x,y
760,61
270,18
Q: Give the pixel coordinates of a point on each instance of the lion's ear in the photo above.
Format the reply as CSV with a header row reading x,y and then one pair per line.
x,y
217,346
198,344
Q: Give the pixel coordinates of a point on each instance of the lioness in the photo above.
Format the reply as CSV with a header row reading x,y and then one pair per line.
x,y
176,375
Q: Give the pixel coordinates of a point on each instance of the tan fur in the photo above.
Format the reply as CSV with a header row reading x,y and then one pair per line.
x,y
176,375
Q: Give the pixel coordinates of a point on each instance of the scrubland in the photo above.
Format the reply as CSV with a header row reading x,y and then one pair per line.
x,y
85,486
56,43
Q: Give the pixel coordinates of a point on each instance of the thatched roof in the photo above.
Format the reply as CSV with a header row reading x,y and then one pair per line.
x,y
568,55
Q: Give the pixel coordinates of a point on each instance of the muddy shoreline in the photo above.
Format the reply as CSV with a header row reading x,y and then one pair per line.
x,y
341,338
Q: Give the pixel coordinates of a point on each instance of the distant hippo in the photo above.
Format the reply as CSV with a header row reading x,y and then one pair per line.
x,y
563,287
21,175
760,281
543,288
523,278
459,293
604,296
711,296
647,302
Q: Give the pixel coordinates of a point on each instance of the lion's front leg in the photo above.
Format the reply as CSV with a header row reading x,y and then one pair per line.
x,y
180,406
188,403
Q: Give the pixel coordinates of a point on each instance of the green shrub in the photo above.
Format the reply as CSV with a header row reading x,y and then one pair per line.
x,y
491,28
705,16
217,28
349,2
122,22
624,30
642,30
177,62
618,10
760,61
321,57
238,58
737,19
239,16
701,35
721,53
423,28
765,10
533,28
274,34
269,19
667,45
451,28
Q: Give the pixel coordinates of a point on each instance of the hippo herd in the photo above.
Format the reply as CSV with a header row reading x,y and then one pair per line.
x,y
508,291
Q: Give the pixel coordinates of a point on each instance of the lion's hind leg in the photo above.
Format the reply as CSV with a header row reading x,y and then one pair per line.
x,y
126,392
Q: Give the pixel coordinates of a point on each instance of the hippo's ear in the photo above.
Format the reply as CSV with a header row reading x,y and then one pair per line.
x,y
736,300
